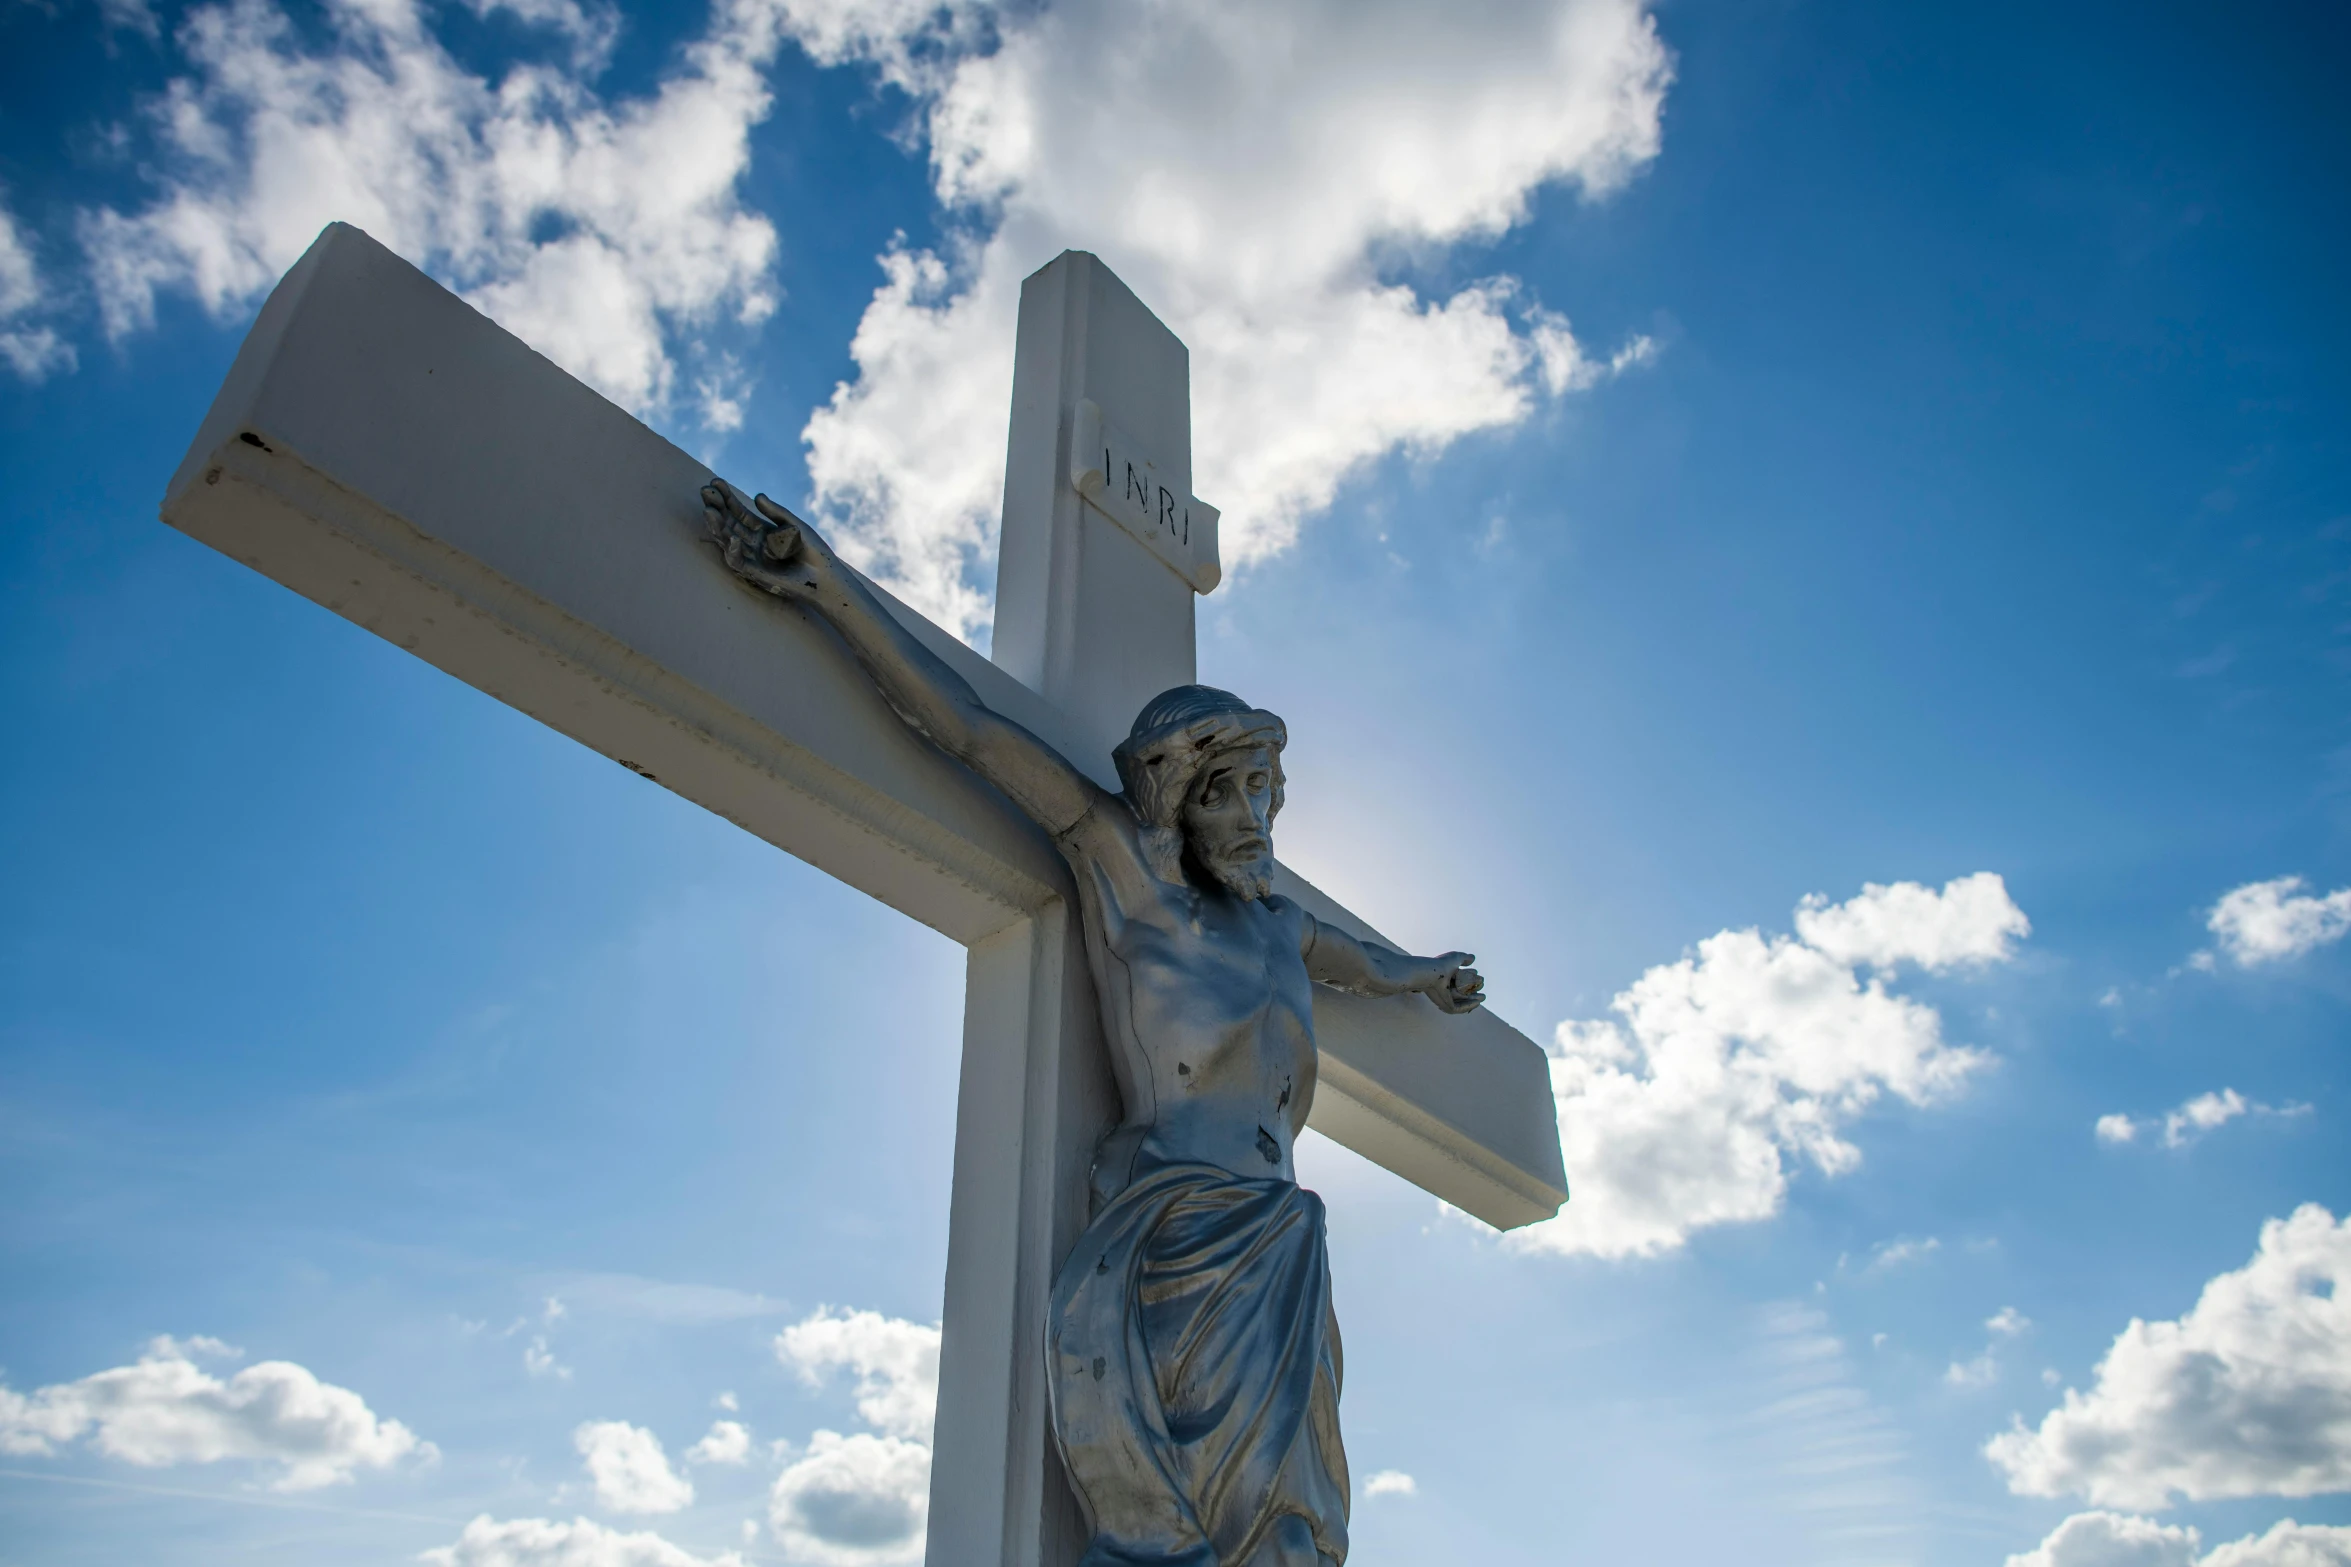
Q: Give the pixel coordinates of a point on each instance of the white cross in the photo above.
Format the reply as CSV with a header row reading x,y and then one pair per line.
x,y
385,450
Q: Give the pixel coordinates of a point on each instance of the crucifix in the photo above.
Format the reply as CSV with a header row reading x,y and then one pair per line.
x,y
388,452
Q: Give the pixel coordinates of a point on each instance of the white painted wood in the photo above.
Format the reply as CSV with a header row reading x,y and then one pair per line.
x,y
386,451
1120,479
1086,615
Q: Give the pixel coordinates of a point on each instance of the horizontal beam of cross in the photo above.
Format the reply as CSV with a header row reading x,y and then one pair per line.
x,y
385,450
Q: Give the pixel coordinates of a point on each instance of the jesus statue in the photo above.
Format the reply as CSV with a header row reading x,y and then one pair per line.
x,y
1194,1359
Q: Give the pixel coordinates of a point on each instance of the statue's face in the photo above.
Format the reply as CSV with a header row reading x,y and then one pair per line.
x,y
1228,820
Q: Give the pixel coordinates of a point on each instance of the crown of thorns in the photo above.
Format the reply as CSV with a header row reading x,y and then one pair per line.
x,y
1179,732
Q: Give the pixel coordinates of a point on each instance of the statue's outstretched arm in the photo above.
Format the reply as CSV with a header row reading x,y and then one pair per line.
x,y
776,551
1365,968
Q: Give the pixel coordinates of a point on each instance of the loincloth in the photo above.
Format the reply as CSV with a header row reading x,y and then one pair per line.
x,y
1195,1366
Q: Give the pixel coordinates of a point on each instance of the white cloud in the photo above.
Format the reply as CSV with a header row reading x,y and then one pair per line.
x,y
861,1500
2249,1394
2103,1539
2111,1540
1984,1369
2287,1544
1971,922
542,1542
608,235
2200,1115
168,1410
1753,1052
540,1361
1900,1253
896,1362
1261,174
726,1442
631,1472
666,1300
31,351
2189,1122
1391,1482
2267,921
853,1501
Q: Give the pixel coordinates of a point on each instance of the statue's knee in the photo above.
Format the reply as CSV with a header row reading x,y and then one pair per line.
x,y
1289,1543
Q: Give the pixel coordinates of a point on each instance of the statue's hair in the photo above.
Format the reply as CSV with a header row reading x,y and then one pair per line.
x,y
1180,731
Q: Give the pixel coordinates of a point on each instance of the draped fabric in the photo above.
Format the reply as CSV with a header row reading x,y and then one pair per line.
x,y
1195,1376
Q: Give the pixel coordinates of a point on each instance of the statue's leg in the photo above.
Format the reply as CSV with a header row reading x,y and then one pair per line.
x,y
1289,1543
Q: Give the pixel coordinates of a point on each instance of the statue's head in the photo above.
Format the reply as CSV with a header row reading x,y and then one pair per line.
x,y
1203,771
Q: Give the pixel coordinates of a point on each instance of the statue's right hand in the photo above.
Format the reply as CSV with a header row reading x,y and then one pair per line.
x,y
772,550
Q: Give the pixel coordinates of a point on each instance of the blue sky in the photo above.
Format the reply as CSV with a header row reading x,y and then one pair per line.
x,y
1727,455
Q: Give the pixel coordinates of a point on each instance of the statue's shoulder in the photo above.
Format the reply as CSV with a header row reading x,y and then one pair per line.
x,y
1107,838
1109,823
1288,912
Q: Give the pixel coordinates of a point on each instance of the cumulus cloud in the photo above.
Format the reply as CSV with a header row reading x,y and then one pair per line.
x,y
2287,1544
853,1501
1971,922
167,1410
31,350
2112,1540
896,1363
1391,1482
609,234
631,1472
861,1500
2102,1539
2249,1394
1752,1053
2269,921
543,1542
1264,176
2191,1120
726,1442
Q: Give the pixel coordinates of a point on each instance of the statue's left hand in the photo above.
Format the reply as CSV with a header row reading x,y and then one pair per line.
x,y
1451,983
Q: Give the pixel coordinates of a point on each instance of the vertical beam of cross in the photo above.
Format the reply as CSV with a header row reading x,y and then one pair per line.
x,y
1090,619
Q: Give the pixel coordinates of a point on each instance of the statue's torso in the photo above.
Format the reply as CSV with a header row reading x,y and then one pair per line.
x,y
1207,1010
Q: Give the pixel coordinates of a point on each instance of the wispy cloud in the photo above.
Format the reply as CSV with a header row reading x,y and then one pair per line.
x,y
31,348
1841,1461
1984,1369
2186,1124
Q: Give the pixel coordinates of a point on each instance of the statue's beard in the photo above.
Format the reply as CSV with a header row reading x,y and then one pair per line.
x,y
1247,877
